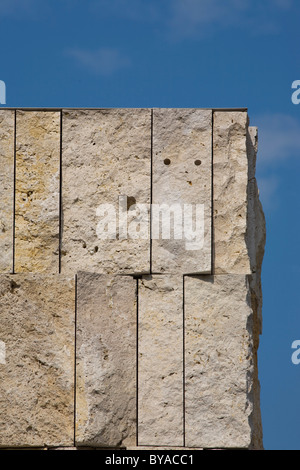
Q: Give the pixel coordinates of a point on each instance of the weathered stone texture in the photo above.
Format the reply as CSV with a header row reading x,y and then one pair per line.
x,y
220,363
230,192
160,361
182,166
163,359
106,361
7,133
256,224
37,191
37,326
106,154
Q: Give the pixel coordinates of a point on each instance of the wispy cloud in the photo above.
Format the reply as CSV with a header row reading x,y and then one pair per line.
x,y
17,9
269,186
104,61
278,143
136,10
194,18
279,138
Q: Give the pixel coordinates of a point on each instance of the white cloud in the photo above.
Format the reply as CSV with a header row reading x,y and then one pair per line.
x,y
104,61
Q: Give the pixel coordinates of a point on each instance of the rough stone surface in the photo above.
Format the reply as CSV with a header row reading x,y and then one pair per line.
x,y
160,361
165,359
37,325
230,192
221,408
37,191
256,224
7,132
182,166
106,154
106,361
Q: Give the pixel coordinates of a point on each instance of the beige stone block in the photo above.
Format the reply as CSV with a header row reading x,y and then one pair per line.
x,y
7,135
106,361
182,167
106,161
230,192
160,361
37,191
221,385
37,326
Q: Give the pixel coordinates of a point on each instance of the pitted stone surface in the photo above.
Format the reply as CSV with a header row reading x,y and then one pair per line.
x,y
182,166
220,363
7,132
37,326
160,361
106,361
37,191
106,156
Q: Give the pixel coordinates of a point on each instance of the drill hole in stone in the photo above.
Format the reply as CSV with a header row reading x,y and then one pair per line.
x,y
167,161
197,162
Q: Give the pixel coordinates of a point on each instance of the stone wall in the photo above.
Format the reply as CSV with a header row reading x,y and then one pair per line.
x,y
111,334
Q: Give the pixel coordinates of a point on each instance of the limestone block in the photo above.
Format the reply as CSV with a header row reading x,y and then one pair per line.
x,y
106,361
160,361
182,167
230,192
37,326
106,161
221,407
37,191
7,133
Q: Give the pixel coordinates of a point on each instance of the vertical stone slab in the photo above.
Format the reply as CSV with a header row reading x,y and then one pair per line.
x,y
106,361
7,133
230,192
160,361
37,191
220,363
37,325
106,180
182,167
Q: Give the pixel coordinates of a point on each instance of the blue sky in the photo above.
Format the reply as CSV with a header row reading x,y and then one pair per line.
x,y
187,53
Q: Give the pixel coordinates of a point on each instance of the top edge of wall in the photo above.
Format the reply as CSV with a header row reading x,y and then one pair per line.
x,y
96,109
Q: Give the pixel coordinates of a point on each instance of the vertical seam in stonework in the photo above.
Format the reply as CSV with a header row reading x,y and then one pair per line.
x,y
183,359
151,188
60,196
75,354
14,193
137,359
212,197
